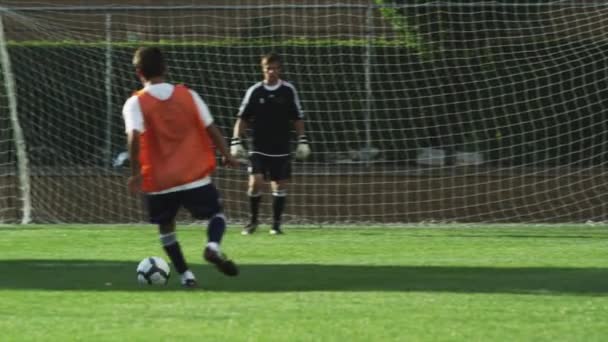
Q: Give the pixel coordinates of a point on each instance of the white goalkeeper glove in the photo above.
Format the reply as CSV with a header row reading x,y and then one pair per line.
x,y
303,150
236,148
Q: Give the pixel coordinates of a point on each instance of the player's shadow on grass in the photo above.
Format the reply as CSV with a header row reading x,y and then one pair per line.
x,y
94,275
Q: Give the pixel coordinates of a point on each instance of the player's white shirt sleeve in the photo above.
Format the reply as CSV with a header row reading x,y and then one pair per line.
x,y
203,110
131,113
134,119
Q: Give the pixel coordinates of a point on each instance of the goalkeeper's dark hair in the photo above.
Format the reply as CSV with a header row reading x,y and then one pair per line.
x,y
150,62
271,58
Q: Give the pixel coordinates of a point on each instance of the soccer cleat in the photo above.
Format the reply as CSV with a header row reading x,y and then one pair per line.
x,y
190,283
221,262
276,229
250,228
188,280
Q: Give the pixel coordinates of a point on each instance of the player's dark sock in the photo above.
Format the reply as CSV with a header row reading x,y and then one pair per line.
x,y
216,228
174,252
278,205
254,205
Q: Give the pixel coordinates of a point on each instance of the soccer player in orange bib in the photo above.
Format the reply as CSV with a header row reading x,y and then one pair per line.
x,y
172,141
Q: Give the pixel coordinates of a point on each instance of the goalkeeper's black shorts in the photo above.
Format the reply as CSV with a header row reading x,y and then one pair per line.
x,y
273,168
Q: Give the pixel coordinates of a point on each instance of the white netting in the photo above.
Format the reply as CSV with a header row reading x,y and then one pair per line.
x,y
421,112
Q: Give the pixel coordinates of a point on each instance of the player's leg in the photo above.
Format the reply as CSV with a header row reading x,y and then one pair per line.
x,y
255,199
256,179
279,197
162,210
280,174
204,203
172,247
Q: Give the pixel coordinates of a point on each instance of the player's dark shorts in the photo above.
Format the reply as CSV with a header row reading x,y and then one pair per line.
x,y
273,168
202,202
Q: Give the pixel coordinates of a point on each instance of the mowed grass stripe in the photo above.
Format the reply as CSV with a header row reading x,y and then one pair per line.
x,y
447,283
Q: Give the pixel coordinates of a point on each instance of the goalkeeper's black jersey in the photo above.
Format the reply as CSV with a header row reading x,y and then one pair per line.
x,y
270,113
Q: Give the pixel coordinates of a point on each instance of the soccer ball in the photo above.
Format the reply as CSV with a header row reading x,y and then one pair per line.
x,y
153,271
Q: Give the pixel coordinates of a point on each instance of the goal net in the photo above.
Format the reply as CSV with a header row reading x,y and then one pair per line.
x,y
416,112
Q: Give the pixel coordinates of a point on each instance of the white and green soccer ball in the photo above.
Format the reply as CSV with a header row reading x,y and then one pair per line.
x,y
153,271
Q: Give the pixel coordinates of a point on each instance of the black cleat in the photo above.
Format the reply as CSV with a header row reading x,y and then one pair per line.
x,y
190,283
250,228
221,262
188,280
276,229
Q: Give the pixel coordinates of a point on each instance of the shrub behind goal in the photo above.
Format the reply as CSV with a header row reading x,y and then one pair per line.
x,y
436,112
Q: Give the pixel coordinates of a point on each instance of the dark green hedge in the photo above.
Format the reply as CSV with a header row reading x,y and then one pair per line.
x,y
536,103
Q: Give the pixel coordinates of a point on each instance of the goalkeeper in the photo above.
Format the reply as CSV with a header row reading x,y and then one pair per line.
x,y
271,111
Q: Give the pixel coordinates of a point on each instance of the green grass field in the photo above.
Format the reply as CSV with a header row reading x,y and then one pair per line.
x,y
416,283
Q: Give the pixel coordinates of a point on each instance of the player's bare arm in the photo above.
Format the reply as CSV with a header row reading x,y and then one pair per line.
x,y
240,128
299,127
134,182
220,143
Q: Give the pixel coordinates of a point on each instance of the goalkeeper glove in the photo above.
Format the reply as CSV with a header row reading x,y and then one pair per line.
x,y
303,150
236,148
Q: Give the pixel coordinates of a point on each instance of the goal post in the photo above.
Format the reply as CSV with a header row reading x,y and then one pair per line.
x,y
14,158
417,112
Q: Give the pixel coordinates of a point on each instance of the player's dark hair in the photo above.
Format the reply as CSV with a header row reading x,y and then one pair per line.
x,y
271,58
150,62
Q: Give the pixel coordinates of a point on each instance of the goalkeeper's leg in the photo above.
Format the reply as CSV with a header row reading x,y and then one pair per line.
x,y
255,198
279,197
280,173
